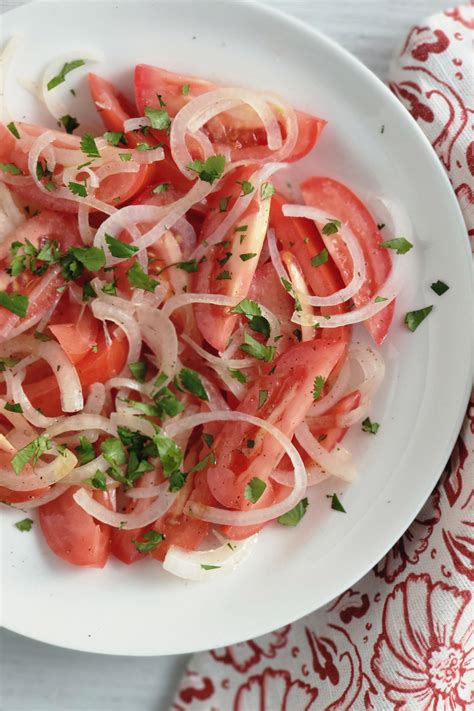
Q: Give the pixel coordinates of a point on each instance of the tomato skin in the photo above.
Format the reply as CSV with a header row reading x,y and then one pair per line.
x,y
72,534
78,335
337,200
237,129
15,497
216,323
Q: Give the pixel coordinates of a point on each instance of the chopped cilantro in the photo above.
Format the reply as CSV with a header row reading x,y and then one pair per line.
x,y
400,244
14,302
247,187
369,426
161,188
78,189
119,249
85,451
138,279
266,191
209,567
320,258
256,349
31,451
192,383
238,375
414,318
185,89
10,168
223,202
248,255
69,122
151,539
293,517
224,275
169,452
254,489
13,407
13,129
25,525
210,169
331,227
113,138
61,77
89,146
159,118
439,287
318,387
336,504
138,370
262,398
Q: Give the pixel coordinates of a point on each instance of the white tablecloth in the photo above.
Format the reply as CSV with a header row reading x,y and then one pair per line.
x,y
38,677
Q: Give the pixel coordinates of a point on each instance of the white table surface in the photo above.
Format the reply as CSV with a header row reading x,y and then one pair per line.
x,y
38,677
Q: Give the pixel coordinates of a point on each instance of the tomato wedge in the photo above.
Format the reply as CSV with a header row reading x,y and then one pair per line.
x,y
72,534
114,109
97,367
239,129
230,266
338,201
300,237
242,451
78,336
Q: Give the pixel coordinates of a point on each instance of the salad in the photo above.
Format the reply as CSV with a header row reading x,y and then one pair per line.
x,y
178,355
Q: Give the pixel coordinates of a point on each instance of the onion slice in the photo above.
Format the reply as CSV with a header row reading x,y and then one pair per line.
x,y
196,565
254,516
127,521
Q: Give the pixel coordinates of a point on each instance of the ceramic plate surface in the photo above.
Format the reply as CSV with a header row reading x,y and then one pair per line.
x,y
141,610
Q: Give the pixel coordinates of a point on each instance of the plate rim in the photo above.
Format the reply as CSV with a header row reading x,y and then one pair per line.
x,y
314,34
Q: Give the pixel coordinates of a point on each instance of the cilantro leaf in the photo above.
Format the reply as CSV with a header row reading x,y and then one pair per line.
x,y
256,349
138,370
169,452
13,407
10,168
113,452
161,188
185,89
224,275
61,77
113,138
31,451
159,118
138,279
248,255
266,191
293,517
336,504
210,169
8,363
145,407
318,387
247,307
98,481
69,122
208,439
414,318
190,266
89,146
14,302
119,249
246,186
439,287
78,189
379,299
320,258
238,375
191,381
151,539
125,156
331,227
369,426
13,129
254,489
223,202
25,525
400,244
88,291
85,451
40,336
262,398
209,567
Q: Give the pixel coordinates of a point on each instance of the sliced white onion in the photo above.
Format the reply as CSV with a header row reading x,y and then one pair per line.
x,y
55,492
239,207
195,113
275,256
192,565
219,300
301,289
290,120
12,211
86,471
56,107
255,516
71,173
127,521
127,383
218,362
135,124
39,475
337,391
79,423
337,462
66,374
95,399
159,334
85,230
357,256
389,291
187,233
127,323
133,422
316,475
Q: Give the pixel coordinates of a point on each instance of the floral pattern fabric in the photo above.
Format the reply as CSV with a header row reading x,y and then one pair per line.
x,y
403,637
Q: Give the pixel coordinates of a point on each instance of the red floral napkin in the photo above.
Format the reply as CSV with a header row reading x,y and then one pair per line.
x,y
403,637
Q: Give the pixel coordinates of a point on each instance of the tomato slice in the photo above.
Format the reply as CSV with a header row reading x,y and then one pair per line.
x,y
338,201
72,534
121,543
239,129
117,110
300,237
266,289
97,367
77,337
224,271
288,392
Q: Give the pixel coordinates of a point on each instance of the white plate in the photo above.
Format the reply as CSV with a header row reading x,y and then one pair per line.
x,y
141,610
